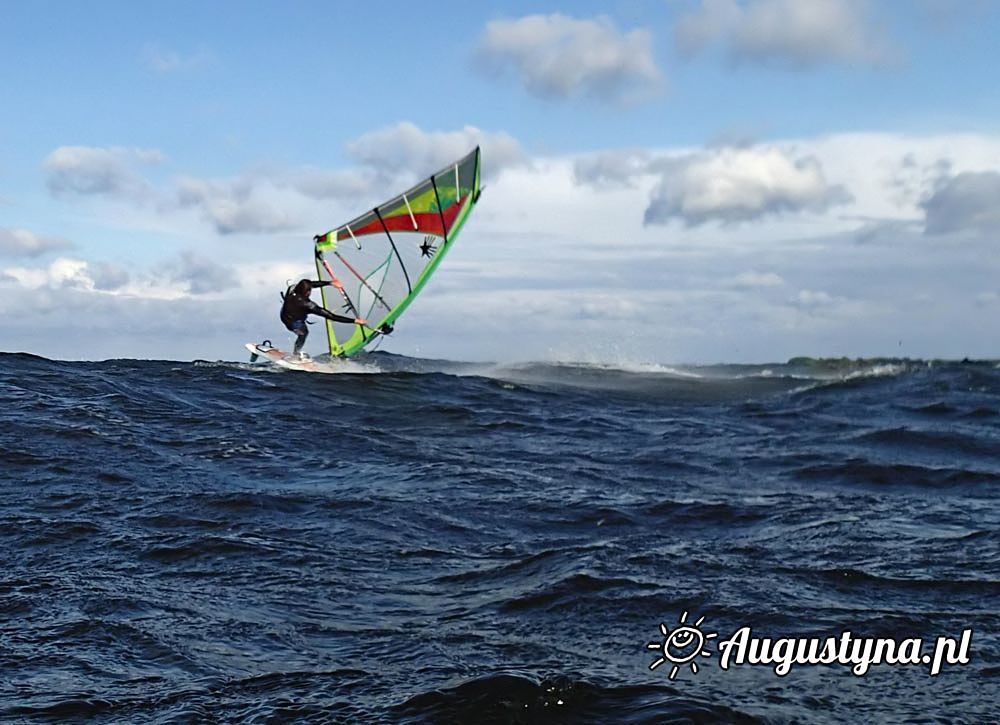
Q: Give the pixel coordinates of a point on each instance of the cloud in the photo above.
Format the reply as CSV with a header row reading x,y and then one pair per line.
x,y
22,243
69,272
319,184
233,205
810,299
794,34
715,19
407,148
74,322
735,185
89,170
185,275
611,169
816,309
969,201
199,274
949,15
60,273
886,232
559,57
987,299
756,280
162,60
914,180
274,200
108,276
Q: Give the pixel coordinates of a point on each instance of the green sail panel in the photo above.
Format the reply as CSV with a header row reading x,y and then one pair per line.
x,y
378,262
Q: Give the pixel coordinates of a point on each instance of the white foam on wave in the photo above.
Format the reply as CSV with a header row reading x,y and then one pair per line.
x,y
877,371
555,368
335,366
655,369
327,366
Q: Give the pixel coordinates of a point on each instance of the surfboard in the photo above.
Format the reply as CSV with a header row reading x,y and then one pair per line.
x,y
297,363
265,349
279,357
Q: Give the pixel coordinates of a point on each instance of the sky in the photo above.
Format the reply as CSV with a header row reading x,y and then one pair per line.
x,y
666,181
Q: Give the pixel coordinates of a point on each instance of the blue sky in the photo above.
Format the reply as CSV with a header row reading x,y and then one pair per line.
x,y
674,181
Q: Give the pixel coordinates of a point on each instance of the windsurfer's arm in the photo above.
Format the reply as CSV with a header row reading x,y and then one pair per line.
x,y
317,310
320,283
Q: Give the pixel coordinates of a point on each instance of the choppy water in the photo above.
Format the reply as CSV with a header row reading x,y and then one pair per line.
x,y
420,541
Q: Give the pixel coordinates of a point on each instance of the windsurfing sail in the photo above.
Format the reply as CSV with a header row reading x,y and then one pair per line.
x,y
378,263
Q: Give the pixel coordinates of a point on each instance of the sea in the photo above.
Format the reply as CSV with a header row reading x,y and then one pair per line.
x,y
399,540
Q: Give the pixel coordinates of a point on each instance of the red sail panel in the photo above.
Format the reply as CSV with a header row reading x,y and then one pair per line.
x,y
427,223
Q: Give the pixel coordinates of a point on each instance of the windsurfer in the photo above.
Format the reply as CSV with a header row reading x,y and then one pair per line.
x,y
297,306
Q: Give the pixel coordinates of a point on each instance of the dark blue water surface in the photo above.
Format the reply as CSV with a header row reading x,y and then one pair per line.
x,y
416,541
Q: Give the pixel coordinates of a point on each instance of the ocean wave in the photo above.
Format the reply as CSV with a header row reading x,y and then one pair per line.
x,y
862,471
576,592
969,442
887,586
516,699
212,542
707,382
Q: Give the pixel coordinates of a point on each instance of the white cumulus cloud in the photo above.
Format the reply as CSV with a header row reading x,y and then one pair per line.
x,y
94,170
22,243
559,57
612,169
794,34
405,147
969,201
233,205
200,275
734,185
61,272
265,200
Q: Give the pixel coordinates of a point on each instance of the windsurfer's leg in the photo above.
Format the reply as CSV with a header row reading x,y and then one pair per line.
x,y
301,333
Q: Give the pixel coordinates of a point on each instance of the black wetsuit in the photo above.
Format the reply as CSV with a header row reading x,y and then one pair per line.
x,y
296,308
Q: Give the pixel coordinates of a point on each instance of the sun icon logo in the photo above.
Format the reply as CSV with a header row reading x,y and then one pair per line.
x,y
682,646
